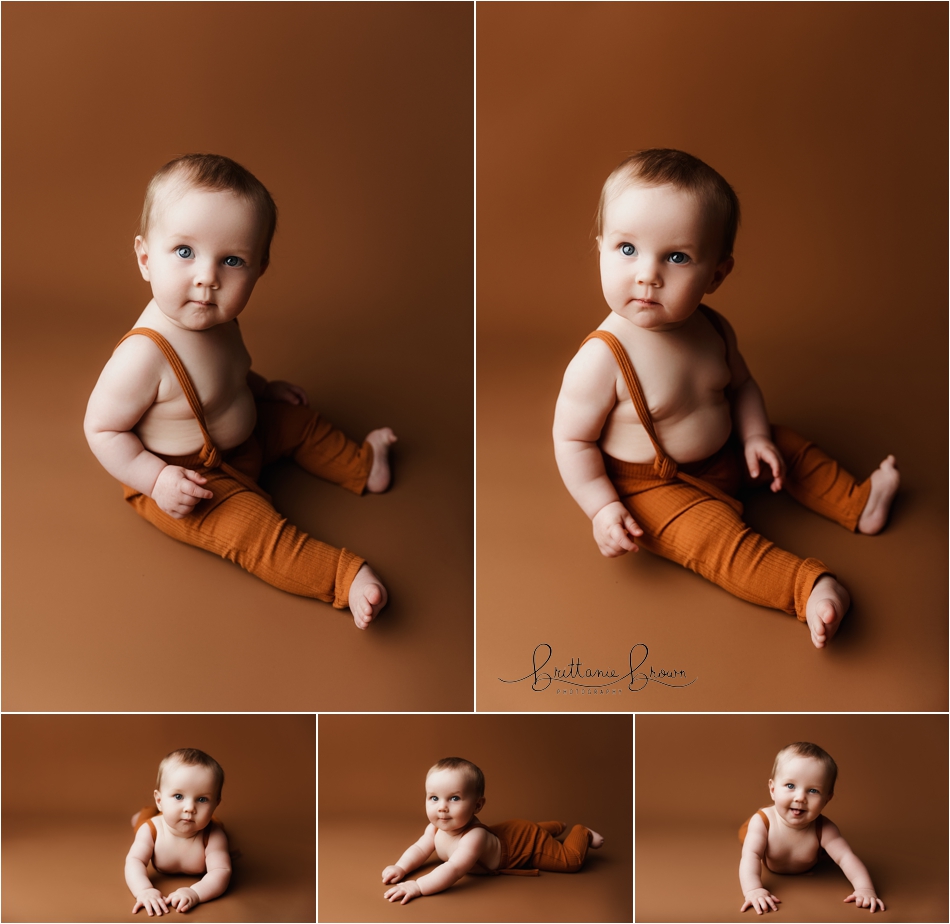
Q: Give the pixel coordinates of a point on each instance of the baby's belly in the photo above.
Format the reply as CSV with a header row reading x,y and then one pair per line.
x,y
691,438
174,431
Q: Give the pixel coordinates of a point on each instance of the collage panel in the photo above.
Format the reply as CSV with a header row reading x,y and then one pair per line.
x,y
785,104
72,785
705,781
356,119
541,783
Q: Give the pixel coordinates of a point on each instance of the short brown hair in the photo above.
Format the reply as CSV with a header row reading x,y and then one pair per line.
x,y
472,774
215,174
668,167
807,749
192,757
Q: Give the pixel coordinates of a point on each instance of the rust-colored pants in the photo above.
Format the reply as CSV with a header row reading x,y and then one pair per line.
x,y
688,525
240,523
530,845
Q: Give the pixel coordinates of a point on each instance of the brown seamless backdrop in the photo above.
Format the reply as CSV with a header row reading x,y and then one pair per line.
x,y
72,783
372,807
358,119
830,121
698,778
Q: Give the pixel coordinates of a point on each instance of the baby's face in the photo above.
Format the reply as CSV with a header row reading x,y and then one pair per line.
x,y
800,791
659,255
187,799
450,801
202,256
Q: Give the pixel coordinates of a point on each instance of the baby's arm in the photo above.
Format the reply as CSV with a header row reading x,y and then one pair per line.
x,y
588,394
413,858
838,849
465,857
136,875
214,881
127,388
749,417
750,869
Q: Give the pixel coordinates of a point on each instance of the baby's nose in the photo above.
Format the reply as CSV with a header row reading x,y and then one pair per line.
x,y
647,272
206,275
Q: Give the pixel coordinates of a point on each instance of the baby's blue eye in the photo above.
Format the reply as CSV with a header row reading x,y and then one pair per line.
x,y
186,253
233,261
628,250
179,796
202,798
679,257
456,799
433,798
789,785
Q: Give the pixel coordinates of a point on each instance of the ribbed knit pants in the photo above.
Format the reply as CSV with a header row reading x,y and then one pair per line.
x,y
240,523
683,523
533,845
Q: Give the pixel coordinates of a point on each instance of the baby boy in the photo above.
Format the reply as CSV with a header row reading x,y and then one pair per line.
x,y
181,420
180,835
788,835
659,420
455,793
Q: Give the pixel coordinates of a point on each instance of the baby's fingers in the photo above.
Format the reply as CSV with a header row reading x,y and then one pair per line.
x,y
193,485
631,525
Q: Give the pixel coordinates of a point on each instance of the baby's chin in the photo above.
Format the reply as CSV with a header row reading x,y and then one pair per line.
x,y
653,319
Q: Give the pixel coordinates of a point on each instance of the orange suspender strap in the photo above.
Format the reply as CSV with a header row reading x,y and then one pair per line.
x,y
664,466
209,455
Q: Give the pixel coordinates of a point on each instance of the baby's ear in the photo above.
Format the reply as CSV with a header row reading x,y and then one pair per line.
x,y
158,799
723,270
141,256
480,804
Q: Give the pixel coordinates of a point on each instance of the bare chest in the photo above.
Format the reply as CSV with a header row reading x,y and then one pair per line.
x,y
178,854
679,372
488,860
791,851
217,362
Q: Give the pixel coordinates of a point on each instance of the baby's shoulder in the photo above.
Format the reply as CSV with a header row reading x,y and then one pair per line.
x,y
595,358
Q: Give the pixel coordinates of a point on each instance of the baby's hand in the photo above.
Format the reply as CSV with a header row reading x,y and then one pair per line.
x,y
284,391
177,490
614,529
183,899
865,898
407,892
152,901
761,900
759,448
393,874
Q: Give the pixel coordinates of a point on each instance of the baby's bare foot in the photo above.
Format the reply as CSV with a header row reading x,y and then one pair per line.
x,y
379,475
367,597
596,840
826,606
884,484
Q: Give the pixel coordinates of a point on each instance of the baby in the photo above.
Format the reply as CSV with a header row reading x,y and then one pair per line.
x,y
179,834
455,793
181,420
657,455
788,835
